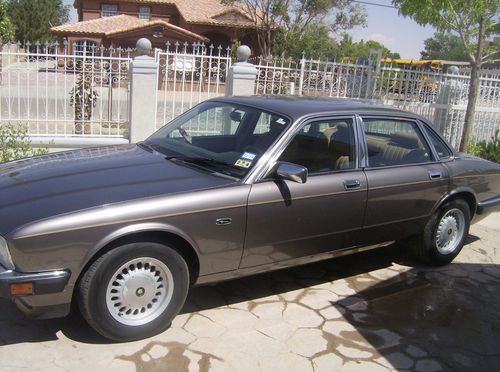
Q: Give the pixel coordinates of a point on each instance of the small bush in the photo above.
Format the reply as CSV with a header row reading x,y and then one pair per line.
x,y
15,143
489,150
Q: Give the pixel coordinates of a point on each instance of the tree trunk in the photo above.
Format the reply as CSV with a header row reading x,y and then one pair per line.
x,y
473,89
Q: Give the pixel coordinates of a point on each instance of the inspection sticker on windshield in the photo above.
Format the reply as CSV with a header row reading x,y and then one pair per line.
x,y
243,163
245,160
248,156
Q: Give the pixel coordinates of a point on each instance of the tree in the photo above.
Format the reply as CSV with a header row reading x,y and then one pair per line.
x,y
83,97
444,45
473,21
33,19
360,49
16,144
6,28
291,19
313,41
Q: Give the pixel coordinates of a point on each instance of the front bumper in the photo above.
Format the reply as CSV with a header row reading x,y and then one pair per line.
x,y
42,282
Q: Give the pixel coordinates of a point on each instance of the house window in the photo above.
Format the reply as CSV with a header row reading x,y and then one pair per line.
x,y
144,12
84,48
109,10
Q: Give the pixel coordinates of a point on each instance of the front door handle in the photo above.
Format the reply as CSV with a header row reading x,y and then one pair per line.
x,y
435,174
352,184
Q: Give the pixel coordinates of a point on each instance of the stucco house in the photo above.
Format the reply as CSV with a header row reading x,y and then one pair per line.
x,y
119,23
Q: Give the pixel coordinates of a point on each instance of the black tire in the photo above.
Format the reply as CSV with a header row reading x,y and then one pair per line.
x,y
95,296
426,247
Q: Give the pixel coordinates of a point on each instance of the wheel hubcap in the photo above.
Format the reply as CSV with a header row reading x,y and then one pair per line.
x,y
139,291
450,231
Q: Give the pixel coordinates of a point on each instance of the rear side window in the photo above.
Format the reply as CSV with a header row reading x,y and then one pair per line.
x,y
394,142
441,149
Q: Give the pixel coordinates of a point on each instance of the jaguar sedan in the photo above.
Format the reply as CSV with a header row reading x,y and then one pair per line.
x,y
233,187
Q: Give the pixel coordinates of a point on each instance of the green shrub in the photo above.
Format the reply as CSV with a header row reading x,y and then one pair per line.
x,y
15,143
489,150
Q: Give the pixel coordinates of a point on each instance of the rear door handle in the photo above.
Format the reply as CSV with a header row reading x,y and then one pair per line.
x,y
435,174
352,184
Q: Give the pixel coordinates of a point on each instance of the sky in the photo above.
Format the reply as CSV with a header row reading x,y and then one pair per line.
x,y
397,33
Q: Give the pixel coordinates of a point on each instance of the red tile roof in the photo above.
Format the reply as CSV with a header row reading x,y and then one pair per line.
x,y
113,26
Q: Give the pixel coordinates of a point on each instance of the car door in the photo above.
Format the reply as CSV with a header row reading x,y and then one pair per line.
x,y
289,220
404,180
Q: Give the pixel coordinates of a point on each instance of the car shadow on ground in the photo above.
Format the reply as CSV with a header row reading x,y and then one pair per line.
x,y
447,317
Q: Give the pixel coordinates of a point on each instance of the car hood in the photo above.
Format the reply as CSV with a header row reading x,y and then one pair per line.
x,y
36,188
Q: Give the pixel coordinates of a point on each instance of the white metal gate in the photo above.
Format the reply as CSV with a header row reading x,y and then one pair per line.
x,y
188,75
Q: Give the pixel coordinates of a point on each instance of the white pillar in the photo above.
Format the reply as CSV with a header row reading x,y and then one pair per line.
x,y
143,86
242,75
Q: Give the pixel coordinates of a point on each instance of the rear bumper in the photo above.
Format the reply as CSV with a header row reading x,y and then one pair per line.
x,y
42,282
488,206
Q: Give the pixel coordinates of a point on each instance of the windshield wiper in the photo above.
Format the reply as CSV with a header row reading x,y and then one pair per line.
x,y
146,146
201,161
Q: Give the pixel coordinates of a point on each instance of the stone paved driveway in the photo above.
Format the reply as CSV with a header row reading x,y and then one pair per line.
x,y
375,311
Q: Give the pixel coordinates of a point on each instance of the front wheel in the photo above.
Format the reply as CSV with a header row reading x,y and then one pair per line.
x,y
134,291
444,234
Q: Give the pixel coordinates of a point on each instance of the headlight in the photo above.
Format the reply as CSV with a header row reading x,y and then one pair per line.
x,y
5,259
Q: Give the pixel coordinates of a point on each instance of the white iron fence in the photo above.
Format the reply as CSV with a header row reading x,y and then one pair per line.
x,y
188,75
85,93
440,97
55,93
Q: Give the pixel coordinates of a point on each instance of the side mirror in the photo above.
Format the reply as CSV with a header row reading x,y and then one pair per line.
x,y
293,172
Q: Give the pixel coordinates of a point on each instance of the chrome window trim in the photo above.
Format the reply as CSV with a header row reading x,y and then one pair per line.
x,y
270,157
425,127
434,159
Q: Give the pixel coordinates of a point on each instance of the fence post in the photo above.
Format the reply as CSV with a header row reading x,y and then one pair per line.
x,y
143,83
445,100
242,75
301,78
373,72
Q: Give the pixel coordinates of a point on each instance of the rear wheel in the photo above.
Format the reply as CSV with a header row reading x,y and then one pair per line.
x,y
444,234
134,291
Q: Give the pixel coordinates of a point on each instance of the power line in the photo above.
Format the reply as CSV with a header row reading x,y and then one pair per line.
x,y
375,4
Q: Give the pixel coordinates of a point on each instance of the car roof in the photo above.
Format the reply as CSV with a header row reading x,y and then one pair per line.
x,y
296,107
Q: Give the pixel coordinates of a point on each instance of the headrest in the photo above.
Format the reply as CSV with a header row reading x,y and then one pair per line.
x,y
340,141
407,140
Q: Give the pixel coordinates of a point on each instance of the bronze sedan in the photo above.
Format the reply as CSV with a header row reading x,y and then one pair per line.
x,y
233,187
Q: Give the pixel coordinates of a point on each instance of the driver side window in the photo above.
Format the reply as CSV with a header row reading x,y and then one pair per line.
x,y
323,146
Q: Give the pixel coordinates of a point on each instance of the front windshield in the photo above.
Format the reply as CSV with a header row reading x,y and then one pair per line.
x,y
219,137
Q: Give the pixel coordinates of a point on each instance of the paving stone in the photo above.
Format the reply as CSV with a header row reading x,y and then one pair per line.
x,y
201,326
415,351
354,352
231,318
327,363
307,342
318,298
342,288
278,330
399,361
301,316
359,366
333,312
288,362
428,365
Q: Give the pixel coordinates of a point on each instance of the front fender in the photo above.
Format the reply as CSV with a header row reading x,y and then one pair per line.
x,y
134,229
